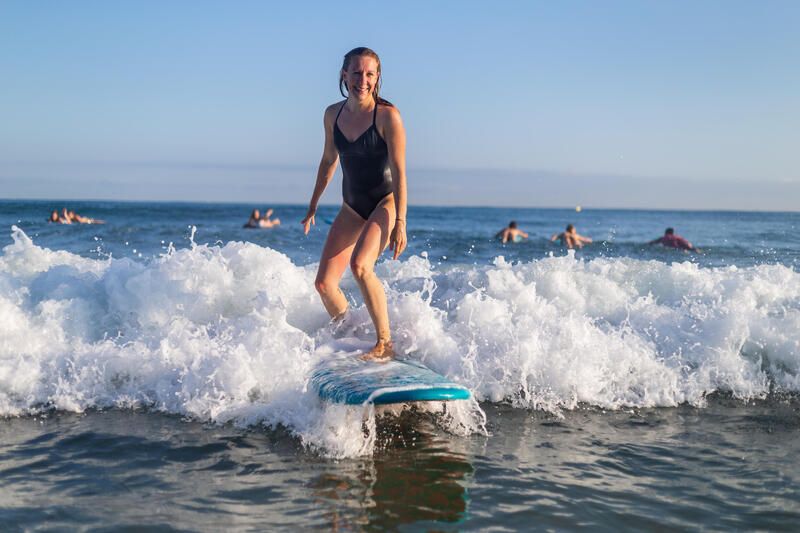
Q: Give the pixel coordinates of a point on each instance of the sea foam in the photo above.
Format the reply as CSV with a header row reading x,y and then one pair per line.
x,y
229,333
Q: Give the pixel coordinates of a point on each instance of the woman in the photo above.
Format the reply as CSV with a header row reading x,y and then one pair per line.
x,y
367,133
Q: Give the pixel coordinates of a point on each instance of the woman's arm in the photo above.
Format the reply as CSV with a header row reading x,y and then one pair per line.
x,y
395,136
327,165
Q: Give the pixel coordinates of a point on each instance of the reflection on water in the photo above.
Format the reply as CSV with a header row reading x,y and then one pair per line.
x,y
65,471
729,466
414,476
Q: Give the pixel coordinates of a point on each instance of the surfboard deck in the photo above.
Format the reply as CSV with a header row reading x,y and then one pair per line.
x,y
350,381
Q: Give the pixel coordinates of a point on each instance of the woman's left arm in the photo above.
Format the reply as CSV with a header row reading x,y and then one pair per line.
x,y
395,136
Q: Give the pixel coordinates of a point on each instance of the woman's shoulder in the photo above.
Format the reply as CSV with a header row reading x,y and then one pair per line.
x,y
387,109
334,107
388,115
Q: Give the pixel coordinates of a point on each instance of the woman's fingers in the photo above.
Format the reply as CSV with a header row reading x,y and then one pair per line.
x,y
398,243
307,223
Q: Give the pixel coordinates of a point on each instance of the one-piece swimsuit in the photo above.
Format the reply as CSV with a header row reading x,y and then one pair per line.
x,y
367,178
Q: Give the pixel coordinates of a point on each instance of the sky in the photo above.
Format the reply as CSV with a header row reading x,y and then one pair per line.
x,y
632,104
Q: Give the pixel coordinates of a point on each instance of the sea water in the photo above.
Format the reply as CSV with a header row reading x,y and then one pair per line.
x,y
154,372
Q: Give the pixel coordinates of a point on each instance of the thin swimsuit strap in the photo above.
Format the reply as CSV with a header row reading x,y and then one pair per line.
x,y
374,114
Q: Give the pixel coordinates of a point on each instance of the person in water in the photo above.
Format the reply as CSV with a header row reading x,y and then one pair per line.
x,y
670,240
257,221
78,219
511,233
366,133
570,239
71,217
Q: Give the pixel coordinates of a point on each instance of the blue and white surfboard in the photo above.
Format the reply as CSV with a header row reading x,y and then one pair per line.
x,y
349,380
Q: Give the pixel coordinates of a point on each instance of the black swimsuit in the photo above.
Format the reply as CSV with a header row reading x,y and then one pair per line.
x,y
365,167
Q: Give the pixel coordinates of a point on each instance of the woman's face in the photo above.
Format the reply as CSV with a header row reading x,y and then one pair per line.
x,y
361,77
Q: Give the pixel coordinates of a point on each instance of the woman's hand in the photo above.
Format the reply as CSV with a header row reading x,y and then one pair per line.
x,y
308,221
397,241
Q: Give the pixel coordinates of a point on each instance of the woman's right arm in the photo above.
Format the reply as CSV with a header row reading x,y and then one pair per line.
x,y
327,165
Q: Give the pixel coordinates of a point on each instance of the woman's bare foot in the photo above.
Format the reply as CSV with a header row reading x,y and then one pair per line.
x,y
383,351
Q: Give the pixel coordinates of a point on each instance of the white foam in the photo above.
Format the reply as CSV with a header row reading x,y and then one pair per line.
x,y
229,334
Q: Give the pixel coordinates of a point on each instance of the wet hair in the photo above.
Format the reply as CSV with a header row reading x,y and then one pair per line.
x,y
570,227
358,52
512,224
669,231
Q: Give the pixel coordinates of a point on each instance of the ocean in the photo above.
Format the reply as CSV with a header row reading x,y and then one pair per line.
x,y
153,373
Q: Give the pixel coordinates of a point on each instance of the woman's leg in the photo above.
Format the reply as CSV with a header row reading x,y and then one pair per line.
x,y
372,242
336,254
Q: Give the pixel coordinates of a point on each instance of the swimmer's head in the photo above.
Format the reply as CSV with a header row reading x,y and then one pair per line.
x,y
255,214
570,228
362,51
54,216
512,225
669,231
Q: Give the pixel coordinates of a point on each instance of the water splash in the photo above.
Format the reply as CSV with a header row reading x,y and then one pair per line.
x,y
229,333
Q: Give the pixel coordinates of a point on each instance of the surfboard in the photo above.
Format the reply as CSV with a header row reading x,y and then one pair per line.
x,y
350,381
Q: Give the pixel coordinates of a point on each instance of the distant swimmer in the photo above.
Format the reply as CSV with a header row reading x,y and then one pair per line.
x,y
71,217
670,240
267,222
76,218
570,239
511,233
255,218
257,221
56,219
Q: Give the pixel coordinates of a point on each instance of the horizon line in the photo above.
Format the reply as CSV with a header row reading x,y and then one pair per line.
x,y
453,206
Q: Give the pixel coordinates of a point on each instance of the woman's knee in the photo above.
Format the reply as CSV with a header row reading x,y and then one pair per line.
x,y
360,269
323,286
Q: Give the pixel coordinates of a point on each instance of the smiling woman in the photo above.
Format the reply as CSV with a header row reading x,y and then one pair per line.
x,y
366,133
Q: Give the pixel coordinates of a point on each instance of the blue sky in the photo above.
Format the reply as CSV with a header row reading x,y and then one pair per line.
x,y
674,104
